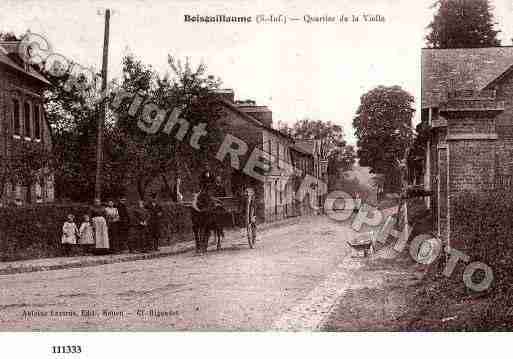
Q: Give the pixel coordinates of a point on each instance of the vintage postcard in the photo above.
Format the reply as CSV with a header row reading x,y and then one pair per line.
x,y
287,166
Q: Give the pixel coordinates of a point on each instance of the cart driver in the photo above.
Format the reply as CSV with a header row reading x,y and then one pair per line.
x,y
250,206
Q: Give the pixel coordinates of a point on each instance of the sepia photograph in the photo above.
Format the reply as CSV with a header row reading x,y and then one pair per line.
x,y
238,166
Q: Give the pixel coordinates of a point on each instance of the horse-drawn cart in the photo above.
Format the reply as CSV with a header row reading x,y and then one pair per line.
x,y
221,213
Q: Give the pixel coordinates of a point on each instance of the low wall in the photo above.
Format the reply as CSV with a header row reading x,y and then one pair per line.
x,y
35,231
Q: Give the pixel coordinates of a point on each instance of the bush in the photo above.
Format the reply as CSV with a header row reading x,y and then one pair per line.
x,y
482,227
35,231
176,223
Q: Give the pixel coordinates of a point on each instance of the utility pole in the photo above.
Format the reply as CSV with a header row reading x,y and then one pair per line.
x,y
102,110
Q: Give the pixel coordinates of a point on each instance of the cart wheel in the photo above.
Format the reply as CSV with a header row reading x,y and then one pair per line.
x,y
251,233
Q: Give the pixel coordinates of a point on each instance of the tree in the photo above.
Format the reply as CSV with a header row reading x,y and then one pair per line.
x,y
142,157
307,129
417,153
383,128
340,157
330,134
341,160
462,23
72,112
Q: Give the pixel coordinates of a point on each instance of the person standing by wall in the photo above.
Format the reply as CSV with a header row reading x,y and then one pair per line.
x,y
156,214
123,225
142,216
112,217
101,233
86,233
69,234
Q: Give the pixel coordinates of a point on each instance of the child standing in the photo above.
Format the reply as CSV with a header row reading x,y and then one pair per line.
x,y
86,233
69,234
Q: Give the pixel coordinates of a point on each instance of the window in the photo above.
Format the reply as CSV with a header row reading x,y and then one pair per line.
x,y
266,143
278,157
37,123
16,121
273,150
26,113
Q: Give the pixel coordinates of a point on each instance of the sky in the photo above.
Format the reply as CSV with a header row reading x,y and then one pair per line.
x,y
300,70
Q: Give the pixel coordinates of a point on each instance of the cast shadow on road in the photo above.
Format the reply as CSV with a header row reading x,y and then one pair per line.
x,y
232,248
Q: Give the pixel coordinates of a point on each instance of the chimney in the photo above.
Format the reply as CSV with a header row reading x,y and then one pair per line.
x,y
261,113
225,94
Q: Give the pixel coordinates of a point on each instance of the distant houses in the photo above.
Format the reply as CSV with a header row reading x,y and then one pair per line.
x,y
22,122
467,107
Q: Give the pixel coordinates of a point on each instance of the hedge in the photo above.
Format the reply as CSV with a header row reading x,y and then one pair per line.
x,y
482,227
35,231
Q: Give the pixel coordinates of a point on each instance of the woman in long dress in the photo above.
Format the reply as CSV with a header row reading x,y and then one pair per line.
x,y
86,234
112,217
101,233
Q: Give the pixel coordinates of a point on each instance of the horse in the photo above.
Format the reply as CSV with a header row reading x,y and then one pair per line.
x,y
205,222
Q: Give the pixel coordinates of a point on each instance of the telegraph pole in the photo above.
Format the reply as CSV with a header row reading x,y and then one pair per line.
x,y
102,110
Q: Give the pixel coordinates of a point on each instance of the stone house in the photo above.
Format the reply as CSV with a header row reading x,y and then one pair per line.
x,y
23,122
253,125
303,159
467,107
311,158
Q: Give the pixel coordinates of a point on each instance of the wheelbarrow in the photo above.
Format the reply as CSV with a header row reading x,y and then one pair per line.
x,y
362,244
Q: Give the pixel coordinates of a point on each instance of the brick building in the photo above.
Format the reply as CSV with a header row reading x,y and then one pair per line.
x,y
467,106
22,122
253,125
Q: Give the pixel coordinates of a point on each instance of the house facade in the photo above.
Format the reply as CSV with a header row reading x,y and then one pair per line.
x,y
22,123
467,107
279,192
253,125
311,159
304,161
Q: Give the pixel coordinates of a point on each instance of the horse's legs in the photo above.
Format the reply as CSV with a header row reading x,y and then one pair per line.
x,y
218,235
206,236
195,236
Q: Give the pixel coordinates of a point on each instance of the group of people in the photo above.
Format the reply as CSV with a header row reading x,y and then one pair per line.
x,y
105,229
112,229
